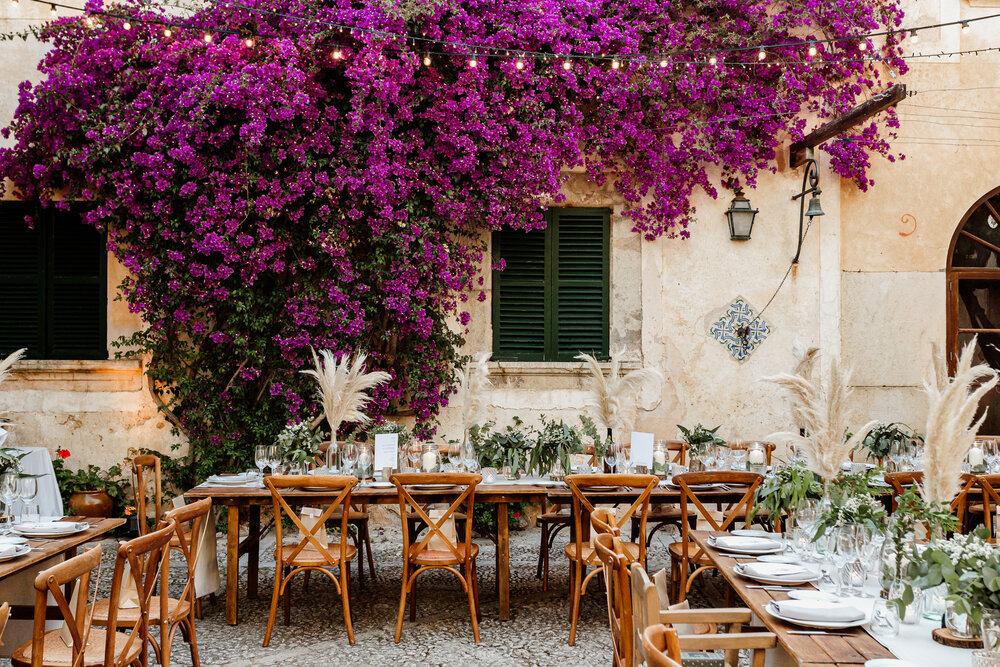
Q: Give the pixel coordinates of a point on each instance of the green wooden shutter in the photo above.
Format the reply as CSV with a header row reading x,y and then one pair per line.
x,y
519,296
77,294
22,282
580,282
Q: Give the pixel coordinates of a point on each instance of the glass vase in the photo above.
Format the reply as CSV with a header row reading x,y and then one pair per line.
x,y
961,625
430,458
989,624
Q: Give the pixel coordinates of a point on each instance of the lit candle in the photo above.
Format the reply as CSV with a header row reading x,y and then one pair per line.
x,y
659,457
428,461
756,457
975,457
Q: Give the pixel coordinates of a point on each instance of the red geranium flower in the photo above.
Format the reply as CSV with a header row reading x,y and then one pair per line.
x,y
63,453
517,515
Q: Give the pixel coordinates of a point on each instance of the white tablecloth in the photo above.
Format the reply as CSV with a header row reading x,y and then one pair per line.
x,y
38,461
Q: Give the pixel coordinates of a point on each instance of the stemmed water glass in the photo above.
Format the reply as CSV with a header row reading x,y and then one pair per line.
x,y
624,460
738,455
28,492
274,458
991,450
348,457
897,452
844,544
413,455
468,457
262,459
611,456
10,490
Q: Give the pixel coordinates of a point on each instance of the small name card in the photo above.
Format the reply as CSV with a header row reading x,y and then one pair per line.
x,y
386,450
642,449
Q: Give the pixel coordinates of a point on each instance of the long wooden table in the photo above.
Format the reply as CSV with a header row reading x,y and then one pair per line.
x,y
850,650
250,498
44,548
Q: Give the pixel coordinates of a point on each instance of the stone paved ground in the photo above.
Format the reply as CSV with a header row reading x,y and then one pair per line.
x,y
442,635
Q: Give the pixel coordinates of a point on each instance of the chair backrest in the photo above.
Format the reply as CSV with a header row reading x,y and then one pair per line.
x,y
680,449
342,484
899,481
689,494
51,582
616,577
661,647
146,469
645,604
578,486
466,486
188,541
605,522
4,617
148,559
988,485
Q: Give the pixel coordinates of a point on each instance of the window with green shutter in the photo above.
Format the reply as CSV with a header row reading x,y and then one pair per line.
x,y
551,301
53,285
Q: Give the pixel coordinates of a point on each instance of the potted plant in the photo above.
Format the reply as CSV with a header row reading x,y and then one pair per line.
x,y
554,441
89,491
501,449
299,445
699,439
598,445
880,440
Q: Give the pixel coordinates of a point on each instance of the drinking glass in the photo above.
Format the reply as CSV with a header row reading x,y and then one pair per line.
x,y
722,455
738,455
365,461
27,493
625,460
469,458
273,458
844,548
348,456
897,451
611,456
262,459
990,625
985,658
990,451
10,490
332,457
885,621
413,455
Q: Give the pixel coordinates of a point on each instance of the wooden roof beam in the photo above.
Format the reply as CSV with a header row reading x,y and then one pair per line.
x,y
891,96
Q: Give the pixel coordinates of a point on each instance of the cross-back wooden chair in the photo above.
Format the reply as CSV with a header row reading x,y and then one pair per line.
x,y
358,517
900,481
616,577
146,470
551,521
987,487
4,617
660,645
418,557
648,610
309,553
47,648
167,613
666,514
580,551
685,553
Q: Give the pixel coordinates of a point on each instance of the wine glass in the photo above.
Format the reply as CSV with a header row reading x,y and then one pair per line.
x,y
844,544
27,493
261,458
413,455
10,490
991,449
273,458
348,457
624,460
611,456
470,461
897,451
738,455
722,456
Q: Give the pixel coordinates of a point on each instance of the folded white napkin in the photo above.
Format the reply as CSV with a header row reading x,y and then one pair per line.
x,y
738,542
818,610
776,570
54,527
7,550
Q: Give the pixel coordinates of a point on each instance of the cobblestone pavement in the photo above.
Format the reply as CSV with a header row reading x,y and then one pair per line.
x,y
442,634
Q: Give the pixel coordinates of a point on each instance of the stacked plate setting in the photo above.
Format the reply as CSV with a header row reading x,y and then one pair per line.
x,y
776,573
746,544
51,528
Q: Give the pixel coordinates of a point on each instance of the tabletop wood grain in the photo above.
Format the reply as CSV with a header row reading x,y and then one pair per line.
x,y
48,547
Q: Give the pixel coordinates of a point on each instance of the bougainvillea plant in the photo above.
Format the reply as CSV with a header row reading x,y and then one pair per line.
x,y
325,187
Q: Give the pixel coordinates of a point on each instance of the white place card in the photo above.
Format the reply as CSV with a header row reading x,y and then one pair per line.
x,y
386,450
642,449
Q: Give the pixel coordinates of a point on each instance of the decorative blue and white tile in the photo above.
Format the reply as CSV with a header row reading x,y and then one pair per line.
x,y
740,329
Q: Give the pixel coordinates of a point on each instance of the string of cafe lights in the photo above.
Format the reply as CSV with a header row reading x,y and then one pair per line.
x,y
475,53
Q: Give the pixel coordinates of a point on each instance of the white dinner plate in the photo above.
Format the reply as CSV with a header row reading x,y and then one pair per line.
x,y
778,558
228,480
747,552
12,539
829,625
812,594
781,581
431,487
748,532
696,487
598,488
20,550
72,528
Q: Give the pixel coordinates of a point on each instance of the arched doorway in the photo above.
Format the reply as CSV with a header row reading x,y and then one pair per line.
x,y
974,292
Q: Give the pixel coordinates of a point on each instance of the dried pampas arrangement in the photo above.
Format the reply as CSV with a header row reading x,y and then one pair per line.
x,y
822,409
9,362
342,387
951,423
615,398
473,387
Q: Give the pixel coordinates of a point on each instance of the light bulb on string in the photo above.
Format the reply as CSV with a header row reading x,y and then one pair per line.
x,y
761,54
966,27
914,38
127,25
615,64
338,54
663,63
812,49
249,42
207,38
473,62
52,9
862,46
713,61
519,64
89,20
167,32
567,65
427,61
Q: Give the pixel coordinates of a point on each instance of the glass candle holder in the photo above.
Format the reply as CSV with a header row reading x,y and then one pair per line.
x,y
756,457
430,458
661,459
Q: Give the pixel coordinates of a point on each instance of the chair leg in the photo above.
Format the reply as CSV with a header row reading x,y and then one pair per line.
x,y
274,604
345,598
542,544
368,548
192,642
305,583
574,610
413,599
475,588
402,602
288,602
471,594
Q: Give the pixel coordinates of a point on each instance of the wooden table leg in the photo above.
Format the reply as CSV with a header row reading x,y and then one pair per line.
x,y
253,551
232,564
503,558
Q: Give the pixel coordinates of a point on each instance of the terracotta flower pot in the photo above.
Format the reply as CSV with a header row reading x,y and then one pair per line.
x,y
91,503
